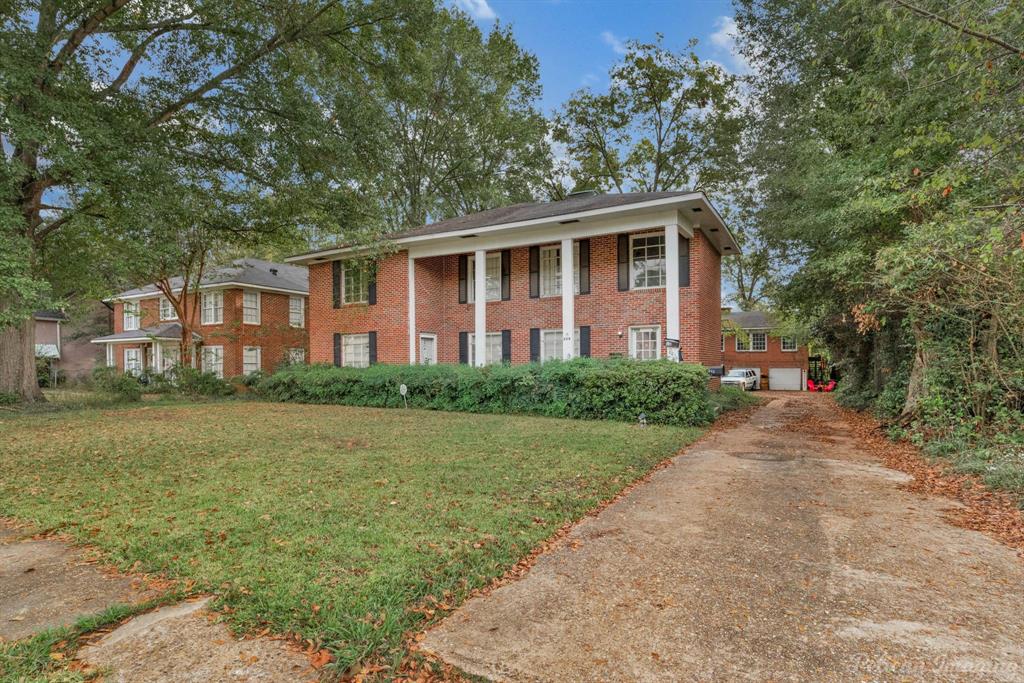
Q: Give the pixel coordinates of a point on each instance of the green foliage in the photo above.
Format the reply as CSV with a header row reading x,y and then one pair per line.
x,y
8,399
117,384
667,122
186,381
667,393
732,398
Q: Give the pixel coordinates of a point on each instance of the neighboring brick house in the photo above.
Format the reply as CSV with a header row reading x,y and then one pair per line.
x,y
63,341
252,315
747,342
646,268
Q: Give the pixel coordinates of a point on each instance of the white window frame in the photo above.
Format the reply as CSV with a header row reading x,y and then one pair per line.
x,y
788,344
211,303
491,284
297,318
632,260
551,269
742,347
131,315
433,338
135,367
352,355
723,342
297,355
491,336
216,365
248,361
359,293
632,340
251,311
167,311
559,347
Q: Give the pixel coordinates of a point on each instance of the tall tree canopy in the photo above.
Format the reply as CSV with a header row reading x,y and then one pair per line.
x,y
890,156
122,117
668,121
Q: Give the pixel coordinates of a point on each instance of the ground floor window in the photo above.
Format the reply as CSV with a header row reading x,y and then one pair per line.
x,y
296,356
551,344
133,361
645,342
493,356
170,356
355,350
251,359
213,360
428,349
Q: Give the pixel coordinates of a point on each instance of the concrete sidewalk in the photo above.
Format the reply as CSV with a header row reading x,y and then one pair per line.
x,y
774,551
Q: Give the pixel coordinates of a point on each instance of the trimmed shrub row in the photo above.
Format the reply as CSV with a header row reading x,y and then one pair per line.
x,y
665,392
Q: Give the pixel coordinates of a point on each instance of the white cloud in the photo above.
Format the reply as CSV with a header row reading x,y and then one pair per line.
x,y
614,42
478,9
724,42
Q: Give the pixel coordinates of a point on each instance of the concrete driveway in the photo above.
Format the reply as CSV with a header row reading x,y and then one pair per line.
x,y
774,551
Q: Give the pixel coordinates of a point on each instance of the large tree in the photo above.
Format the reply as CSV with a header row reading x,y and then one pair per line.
x,y
667,121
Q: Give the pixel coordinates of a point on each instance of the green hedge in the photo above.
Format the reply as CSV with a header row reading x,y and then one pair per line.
x,y
666,392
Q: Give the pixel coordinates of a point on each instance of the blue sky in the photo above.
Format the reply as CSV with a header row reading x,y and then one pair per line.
x,y
577,41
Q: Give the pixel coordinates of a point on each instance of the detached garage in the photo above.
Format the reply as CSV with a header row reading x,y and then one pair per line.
x,y
748,342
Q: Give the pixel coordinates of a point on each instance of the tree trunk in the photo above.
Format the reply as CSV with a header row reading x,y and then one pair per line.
x,y
18,362
915,387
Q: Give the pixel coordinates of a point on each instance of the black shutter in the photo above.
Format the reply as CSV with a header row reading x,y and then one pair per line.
x,y
464,348
506,275
337,348
585,341
463,269
534,344
336,283
506,346
584,266
535,272
623,263
371,294
373,347
684,262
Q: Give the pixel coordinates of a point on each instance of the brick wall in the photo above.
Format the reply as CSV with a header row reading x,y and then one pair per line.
x,y
607,311
274,335
772,357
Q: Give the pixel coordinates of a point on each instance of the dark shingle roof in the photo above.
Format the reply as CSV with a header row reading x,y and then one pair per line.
x,y
49,315
246,271
750,320
534,210
162,331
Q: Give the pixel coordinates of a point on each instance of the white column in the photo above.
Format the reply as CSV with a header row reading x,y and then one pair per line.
x,y
480,306
672,282
158,352
568,301
110,355
412,310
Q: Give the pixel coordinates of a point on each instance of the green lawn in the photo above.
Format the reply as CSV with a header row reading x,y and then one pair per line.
x,y
329,521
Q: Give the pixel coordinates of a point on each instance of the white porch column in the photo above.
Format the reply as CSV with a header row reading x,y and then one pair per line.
x,y
480,306
158,356
568,301
110,355
672,282
412,310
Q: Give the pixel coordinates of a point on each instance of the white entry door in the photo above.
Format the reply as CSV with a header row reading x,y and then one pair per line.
x,y
428,349
784,379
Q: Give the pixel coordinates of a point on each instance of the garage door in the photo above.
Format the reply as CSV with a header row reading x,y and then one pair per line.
x,y
784,379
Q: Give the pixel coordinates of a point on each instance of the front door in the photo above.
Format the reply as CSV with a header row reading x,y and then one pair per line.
x,y
428,349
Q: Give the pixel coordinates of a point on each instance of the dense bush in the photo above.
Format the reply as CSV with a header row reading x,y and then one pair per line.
x,y
188,381
667,393
732,398
116,383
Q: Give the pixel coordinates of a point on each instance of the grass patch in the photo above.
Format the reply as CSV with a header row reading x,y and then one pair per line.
x,y
329,521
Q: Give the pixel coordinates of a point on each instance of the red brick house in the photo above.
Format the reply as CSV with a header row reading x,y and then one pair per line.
x,y
252,315
748,342
645,268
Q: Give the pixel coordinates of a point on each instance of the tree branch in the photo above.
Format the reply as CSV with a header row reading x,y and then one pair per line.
x,y
963,29
91,23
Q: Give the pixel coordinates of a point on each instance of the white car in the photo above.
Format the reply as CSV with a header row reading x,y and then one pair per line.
x,y
744,378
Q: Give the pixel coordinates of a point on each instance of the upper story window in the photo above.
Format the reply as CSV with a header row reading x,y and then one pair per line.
x,y
788,343
167,311
212,308
647,261
132,315
492,278
758,342
356,289
251,308
551,270
296,311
